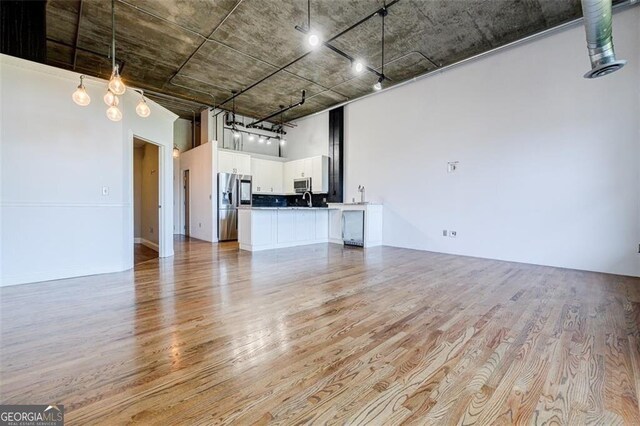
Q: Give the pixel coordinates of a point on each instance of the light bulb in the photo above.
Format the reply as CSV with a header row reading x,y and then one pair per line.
x,y
283,141
313,40
115,83
110,98
252,138
268,141
236,135
80,96
260,139
358,67
378,85
113,113
142,109
176,152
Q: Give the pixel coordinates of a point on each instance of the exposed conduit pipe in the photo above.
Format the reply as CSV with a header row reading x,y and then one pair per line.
x,y
597,24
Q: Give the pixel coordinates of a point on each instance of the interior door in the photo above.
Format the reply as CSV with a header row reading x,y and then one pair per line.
x,y
187,225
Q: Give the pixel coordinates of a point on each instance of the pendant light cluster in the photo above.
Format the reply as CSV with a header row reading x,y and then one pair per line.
x,y
116,86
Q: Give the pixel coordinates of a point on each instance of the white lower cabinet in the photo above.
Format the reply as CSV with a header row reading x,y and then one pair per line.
x,y
266,228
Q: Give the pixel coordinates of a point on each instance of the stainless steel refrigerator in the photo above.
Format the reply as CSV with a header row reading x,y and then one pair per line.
x,y
233,191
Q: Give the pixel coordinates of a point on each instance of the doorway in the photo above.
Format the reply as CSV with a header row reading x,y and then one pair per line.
x,y
146,192
186,202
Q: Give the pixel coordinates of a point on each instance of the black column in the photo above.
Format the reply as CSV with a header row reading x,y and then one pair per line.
x,y
23,29
336,149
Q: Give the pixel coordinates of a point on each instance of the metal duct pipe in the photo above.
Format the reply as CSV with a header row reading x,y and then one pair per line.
x,y
597,23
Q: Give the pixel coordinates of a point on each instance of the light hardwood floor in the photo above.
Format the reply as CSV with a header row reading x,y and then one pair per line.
x,y
321,334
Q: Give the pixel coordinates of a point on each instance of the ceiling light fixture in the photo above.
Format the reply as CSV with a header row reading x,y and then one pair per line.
x,y
268,141
251,137
115,83
113,113
142,109
357,67
378,85
80,96
109,98
314,39
260,139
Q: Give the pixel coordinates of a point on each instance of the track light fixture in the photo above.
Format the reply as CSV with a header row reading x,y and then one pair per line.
x,y
260,139
378,85
80,96
357,66
268,141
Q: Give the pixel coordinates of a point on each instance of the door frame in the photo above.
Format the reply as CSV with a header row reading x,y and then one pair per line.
x,y
162,169
185,209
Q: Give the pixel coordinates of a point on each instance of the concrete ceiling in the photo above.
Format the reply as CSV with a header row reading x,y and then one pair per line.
x,y
202,50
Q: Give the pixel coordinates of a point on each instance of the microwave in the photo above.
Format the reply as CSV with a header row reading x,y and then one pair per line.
x,y
302,185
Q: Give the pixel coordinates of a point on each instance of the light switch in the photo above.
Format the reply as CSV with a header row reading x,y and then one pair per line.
x,y
105,190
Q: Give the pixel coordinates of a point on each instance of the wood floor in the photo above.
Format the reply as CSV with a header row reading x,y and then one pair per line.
x,y
321,334
142,253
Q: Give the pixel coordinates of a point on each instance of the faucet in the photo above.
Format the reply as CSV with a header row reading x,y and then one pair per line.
x,y
361,191
309,203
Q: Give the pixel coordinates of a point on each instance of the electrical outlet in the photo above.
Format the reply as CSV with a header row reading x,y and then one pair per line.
x,y
105,190
452,166
444,232
453,234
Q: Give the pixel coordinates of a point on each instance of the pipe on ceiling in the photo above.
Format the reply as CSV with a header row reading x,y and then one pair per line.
x,y
598,24
281,111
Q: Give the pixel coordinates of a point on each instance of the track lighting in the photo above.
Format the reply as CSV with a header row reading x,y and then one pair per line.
x,y
260,139
268,141
283,141
236,134
378,85
143,109
357,67
80,96
251,137
176,151
313,39
109,98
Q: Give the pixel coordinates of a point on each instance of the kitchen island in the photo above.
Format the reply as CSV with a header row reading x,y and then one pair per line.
x,y
263,228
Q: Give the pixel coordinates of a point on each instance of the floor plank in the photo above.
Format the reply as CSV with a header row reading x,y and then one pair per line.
x,y
326,335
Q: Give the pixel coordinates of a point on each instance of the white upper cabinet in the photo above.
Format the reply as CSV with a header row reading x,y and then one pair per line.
x,y
231,162
316,168
276,177
267,176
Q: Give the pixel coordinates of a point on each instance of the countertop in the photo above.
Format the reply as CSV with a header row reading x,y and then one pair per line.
x,y
286,208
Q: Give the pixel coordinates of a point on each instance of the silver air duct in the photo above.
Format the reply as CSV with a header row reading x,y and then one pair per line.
x,y
597,23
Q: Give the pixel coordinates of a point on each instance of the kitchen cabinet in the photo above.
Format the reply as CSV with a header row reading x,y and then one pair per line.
x,y
267,176
232,162
317,168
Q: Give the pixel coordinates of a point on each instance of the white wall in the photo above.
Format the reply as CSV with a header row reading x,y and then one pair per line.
x,y
309,138
549,167
138,155
182,134
202,198
55,159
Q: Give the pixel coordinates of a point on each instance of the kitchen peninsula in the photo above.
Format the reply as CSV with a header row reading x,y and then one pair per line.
x,y
263,228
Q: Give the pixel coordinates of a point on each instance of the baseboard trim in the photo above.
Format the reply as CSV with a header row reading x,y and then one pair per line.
x,y
137,240
151,245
